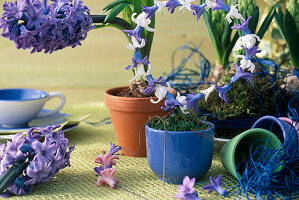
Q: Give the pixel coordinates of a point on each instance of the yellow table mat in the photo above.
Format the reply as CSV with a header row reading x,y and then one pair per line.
x,y
134,174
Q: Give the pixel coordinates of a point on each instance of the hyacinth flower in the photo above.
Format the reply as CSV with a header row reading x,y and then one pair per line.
x,y
250,52
107,176
161,92
170,102
192,100
186,190
105,170
172,5
215,186
138,60
247,41
39,162
217,5
246,64
40,27
233,12
198,9
150,11
182,100
142,20
208,91
185,4
241,75
244,26
135,33
152,84
223,90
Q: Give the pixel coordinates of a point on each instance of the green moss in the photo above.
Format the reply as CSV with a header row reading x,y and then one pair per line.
x,y
177,121
243,100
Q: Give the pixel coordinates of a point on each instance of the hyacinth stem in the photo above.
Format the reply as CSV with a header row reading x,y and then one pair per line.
x,y
12,173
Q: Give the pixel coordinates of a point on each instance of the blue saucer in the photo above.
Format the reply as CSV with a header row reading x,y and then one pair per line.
x,y
57,118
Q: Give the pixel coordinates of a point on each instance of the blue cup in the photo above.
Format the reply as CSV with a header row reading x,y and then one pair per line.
x,y
188,153
18,106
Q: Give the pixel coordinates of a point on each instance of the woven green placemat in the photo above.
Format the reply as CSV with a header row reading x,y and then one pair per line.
x,y
134,174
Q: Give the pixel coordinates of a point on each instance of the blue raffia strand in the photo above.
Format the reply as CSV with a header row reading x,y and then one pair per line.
x,y
184,78
261,175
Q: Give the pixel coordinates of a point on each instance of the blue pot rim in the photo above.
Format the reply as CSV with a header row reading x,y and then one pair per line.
x,y
44,94
210,129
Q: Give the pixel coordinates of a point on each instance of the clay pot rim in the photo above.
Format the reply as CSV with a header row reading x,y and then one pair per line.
x,y
108,92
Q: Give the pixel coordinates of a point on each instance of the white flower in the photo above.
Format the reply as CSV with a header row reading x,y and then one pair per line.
x,y
161,5
246,64
141,20
186,4
182,100
208,91
135,44
140,72
248,41
210,4
161,92
233,12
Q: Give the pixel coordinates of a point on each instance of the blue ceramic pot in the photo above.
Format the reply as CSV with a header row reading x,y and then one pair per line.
x,y
188,153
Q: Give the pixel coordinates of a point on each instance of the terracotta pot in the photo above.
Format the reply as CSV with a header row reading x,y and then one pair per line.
x,y
128,116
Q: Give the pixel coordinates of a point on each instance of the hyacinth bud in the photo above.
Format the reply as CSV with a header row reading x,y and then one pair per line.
x,y
293,8
246,7
218,19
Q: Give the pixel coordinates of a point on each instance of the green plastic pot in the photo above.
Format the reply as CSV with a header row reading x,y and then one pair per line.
x,y
237,150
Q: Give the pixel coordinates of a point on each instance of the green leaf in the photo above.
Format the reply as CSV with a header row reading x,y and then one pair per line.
x,y
117,21
213,35
114,3
292,37
279,22
11,174
226,34
254,21
115,11
229,49
266,23
127,13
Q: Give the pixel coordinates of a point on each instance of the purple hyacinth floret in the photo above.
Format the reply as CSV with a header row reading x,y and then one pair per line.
x,y
241,74
223,90
172,5
192,100
46,157
137,60
170,102
35,25
215,186
244,26
150,11
198,9
187,191
220,6
152,84
135,32
249,53
113,148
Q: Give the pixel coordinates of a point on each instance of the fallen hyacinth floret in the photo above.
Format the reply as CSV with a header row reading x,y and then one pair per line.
x,y
215,186
105,170
187,191
35,25
32,159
